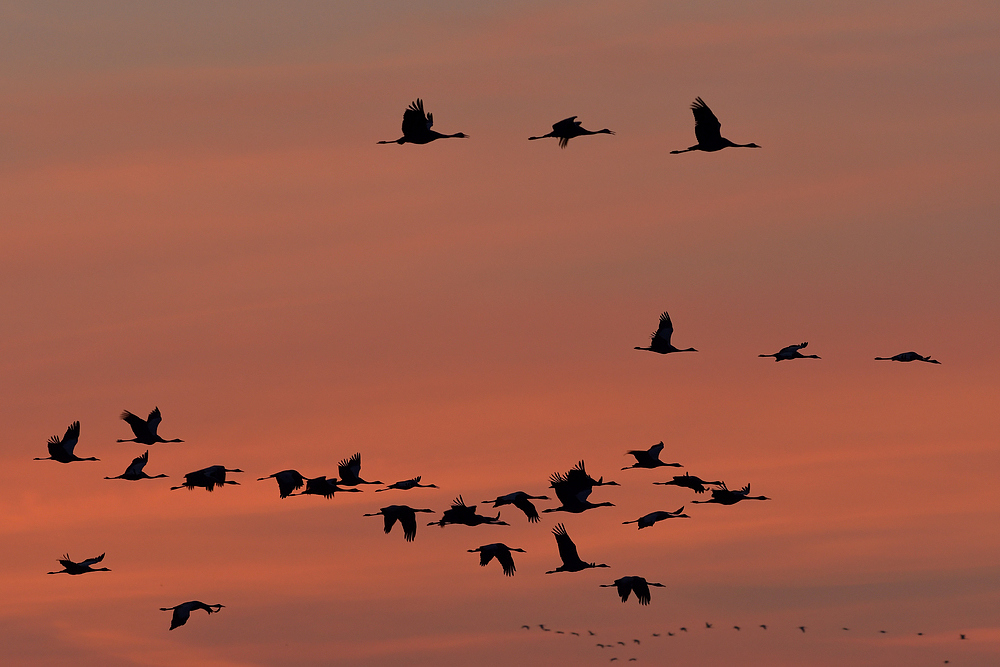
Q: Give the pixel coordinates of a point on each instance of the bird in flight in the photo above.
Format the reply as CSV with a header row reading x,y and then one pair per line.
x,y
406,516
687,481
135,469
321,486
182,612
417,127
83,567
723,496
790,352
637,585
908,356
288,481
207,478
568,553
521,501
144,429
707,130
501,552
568,128
466,515
659,340
574,488
407,484
651,518
649,458
62,450
349,469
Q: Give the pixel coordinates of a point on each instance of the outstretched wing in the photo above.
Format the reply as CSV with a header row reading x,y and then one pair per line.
x,y
138,463
624,586
707,128
567,550
136,422
350,468
415,121
527,507
390,521
641,589
486,554
566,125
153,420
664,331
506,561
655,450
408,520
92,561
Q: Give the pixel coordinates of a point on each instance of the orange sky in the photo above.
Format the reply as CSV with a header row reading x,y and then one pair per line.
x,y
195,216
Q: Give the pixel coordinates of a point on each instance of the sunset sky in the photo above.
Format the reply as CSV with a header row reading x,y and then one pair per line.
x,y
195,215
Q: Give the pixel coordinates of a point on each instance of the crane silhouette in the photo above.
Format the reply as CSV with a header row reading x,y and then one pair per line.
x,y
182,612
321,486
651,518
790,352
207,478
417,127
405,515
288,481
83,567
696,484
567,552
707,130
348,469
633,584
723,496
649,458
659,340
466,515
135,469
908,356
521,501
501,552
144,429
408,484
62,450
573,490
568,128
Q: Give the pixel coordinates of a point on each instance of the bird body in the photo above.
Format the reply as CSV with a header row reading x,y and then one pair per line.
x,y
466,515
649,458
83,567
145,429
407,484
687,481
501,552
183,611
723,496
651,518
207,478
568,128
135,470
633,584
521,501
321,486
908,356
571,561
790,352
405,515
659,340
417,127
708,131
288,481
62,450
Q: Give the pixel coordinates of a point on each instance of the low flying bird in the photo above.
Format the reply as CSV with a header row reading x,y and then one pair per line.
x,y
659,340
207,478
417,127
288,481
649,458
501,552
62,450
687,481
83,567
135,469
908,356
568,128
521,501
182,612
567,552
790,352
723,496
405,515
348,469
653,517
407,484
574,488
321,486
466,515
637,585
708,131
144,429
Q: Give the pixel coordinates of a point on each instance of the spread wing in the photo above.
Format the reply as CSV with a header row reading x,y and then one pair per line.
x,y
641,589
566,125
527,507
655,450
408,520
567,550
153,420
138,463
624,586
350,468
415,121
92,561
707,128
136,422
665,330
506,561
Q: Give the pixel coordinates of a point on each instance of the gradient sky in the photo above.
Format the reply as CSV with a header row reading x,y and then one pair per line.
x,y
194,215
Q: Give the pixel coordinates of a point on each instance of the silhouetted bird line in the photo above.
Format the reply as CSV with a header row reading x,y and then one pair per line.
x,y
83,567
723,496
417,127
144,429
288,481
708,131
659,340
349,470
568,128
649,458
908,356
135,469
633,584
521,501
405,515
407,484
651,518
207,478
501,552
687,481
790,352
62,450
567,552
182,612
466,515
321,486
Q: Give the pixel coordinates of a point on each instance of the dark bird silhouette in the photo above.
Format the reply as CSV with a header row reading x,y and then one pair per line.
x,y
736,627
683,629
135,469
763,627
659,340
568,128
62,450
83,567
288,481
802,628
723,496
651,518
466,515
405,515
637,585
417,127
501,552
908,356
707,130
144,429
790,352
649,458
687,481
348,469
961,636
408,484
574,488
525,627
182,612
708,625
321,486
521,501
567,552
207,478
